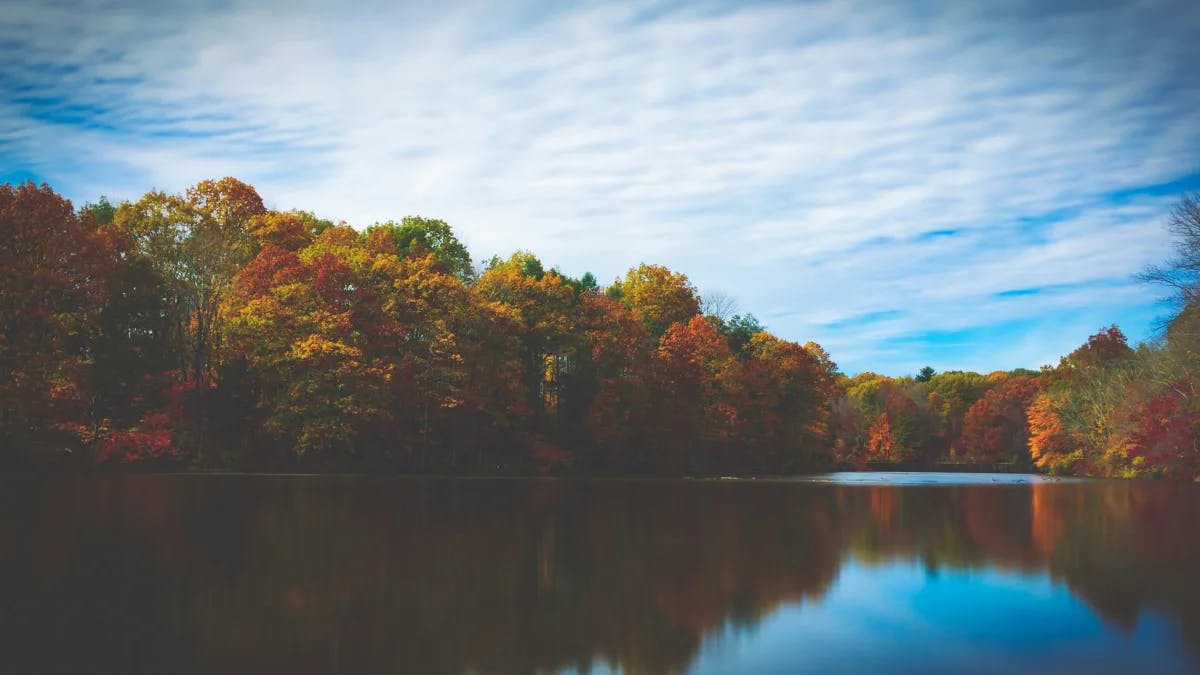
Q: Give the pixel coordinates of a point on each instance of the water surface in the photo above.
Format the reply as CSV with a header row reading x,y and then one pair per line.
x,y
839,573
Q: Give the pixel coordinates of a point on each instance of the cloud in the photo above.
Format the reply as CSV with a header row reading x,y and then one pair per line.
x,y
821,161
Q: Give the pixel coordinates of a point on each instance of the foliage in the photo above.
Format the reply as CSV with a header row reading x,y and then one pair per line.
x,y
880,441
995,428
739,330
310,324
659,296
51,295
203,327
159,435
197,242
423,236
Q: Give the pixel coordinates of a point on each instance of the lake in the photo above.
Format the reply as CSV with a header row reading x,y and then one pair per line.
x,y
843,572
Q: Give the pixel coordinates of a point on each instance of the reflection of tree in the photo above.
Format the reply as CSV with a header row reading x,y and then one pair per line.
x,y
304,576
1125,546
1121,546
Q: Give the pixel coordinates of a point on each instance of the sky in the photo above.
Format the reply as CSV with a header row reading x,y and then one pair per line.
x,y
966,185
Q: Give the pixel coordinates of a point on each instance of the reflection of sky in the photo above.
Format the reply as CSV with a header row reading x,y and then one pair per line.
x,y
901,478
901,617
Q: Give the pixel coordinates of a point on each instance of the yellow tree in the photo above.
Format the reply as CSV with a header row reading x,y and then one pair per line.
x,y
310,326
659,296
543,304
431,308
198,241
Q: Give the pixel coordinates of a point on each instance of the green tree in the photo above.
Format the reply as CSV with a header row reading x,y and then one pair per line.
x,y
418,236
739,330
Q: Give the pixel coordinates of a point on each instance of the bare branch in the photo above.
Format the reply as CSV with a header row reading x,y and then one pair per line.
x,y
718,304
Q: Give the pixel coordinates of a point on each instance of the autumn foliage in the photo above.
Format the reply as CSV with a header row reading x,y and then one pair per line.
x,y
204,327
880,441
996,428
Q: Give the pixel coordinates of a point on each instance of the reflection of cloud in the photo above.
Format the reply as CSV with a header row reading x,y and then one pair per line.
x,y
821,162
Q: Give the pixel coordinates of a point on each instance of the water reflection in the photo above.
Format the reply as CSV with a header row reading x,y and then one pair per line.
x,y
312,575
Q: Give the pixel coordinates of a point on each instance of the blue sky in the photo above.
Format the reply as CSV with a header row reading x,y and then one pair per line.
x,y
964,185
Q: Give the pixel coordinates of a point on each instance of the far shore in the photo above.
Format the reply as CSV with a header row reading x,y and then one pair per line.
x,y
881,467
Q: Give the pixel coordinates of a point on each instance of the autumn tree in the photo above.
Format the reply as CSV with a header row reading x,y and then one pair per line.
x,y
909,424
198,242
496,405
51,294
825,364
613,382
1183,333
1105,349
789,393
1051,445
695,412
1071,424
418,236
1159,426
949,396
996,428
881,442
132,348
289,230
430,308
848,429
544,305
1157,431
658,295
310,325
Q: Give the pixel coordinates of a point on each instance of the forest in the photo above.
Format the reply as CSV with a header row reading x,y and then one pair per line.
x,y
204,331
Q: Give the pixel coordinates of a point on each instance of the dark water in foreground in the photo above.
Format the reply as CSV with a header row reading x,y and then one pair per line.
x,y
892,572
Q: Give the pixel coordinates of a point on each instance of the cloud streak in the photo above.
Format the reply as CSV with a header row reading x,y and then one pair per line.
x,y
819,161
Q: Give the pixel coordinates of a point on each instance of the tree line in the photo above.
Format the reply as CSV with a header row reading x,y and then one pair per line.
x,y
204,329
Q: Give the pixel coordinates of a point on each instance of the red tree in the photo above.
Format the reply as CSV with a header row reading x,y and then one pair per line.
x,y
996,428
50,298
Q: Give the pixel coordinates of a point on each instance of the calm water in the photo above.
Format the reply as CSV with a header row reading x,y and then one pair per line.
x,y
854,572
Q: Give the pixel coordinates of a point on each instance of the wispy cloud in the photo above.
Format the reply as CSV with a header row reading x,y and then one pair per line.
x,y
921,163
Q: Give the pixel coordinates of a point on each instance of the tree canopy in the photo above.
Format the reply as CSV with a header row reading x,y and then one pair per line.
x,y
204,327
